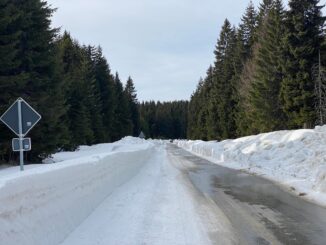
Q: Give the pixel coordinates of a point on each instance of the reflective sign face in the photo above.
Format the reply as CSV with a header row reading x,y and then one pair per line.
x,y
27,145
29,117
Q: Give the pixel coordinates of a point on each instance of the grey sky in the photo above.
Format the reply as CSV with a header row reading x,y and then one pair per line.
x,y
165,46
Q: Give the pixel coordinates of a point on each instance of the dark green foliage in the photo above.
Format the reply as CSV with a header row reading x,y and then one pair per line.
x,y
167,120
303,39
264,8
131,95
122,123
105,83
262,75
265,90
247,29
30,69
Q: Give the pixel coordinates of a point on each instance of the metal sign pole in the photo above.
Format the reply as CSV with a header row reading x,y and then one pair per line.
x,y
20,124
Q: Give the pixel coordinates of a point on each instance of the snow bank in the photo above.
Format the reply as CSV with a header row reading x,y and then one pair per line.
x,y
125,144
296,159
44,204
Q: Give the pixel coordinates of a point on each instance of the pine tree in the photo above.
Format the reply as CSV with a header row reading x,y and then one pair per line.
x,y
303,39
93,97
265,90
247,29
131,95
105,81
41,83
221,121
263,11
12,79
75,68
246,36
122,124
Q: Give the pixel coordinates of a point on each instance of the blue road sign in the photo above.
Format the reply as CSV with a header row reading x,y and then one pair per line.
x,y
29,117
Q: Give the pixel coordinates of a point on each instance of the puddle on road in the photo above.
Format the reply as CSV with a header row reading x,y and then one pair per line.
x,y
248,200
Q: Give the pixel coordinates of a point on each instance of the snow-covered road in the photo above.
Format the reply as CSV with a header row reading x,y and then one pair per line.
x,y
158,206
260,211
178,198
135,192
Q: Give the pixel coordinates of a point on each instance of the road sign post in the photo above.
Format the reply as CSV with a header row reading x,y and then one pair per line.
x,y
20,127
20,118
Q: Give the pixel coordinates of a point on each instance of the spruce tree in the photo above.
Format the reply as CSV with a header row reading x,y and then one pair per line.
x,y
122,124
265,90
194,109
75,68
105,81
263,11
12,79
221,121
303,39
93,97
247,29
41,84
131,95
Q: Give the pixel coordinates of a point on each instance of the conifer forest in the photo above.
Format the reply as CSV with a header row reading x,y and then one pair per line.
x,y
268,74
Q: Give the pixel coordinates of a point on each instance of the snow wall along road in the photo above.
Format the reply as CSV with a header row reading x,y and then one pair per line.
x,y
43,206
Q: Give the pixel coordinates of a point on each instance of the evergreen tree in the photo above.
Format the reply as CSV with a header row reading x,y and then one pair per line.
x,y
12,78
41,84
303,39
248,28
78,115
265,90
93,97
105,81
122,124
166,120
220,116
193,114
263,11
130,92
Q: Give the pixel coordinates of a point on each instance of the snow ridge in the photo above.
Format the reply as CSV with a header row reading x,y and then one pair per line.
x,y
294,158
47,202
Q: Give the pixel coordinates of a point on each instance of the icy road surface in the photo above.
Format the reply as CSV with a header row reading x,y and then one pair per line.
x,y
260,212
178,198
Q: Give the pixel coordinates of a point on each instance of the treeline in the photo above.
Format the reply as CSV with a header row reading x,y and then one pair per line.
x,y
264,76
70,85
166,120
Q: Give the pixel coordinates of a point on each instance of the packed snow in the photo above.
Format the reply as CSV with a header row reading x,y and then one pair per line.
x,y
157,207
296,159
128,192
45,203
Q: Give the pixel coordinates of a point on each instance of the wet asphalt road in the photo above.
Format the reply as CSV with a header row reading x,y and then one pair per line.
x,y
260,212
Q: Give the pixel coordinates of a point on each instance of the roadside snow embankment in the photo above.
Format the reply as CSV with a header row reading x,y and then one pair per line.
x,y
45,203
296,159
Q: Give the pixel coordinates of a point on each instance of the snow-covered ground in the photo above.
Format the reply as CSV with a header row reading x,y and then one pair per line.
x,y
45,203
134,192
157,206
296,159
124,193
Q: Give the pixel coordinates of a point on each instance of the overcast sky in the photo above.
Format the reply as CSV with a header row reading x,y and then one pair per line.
x,y
165,46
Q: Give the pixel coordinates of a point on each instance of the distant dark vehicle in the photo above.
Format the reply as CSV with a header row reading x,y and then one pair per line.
x,y
171,141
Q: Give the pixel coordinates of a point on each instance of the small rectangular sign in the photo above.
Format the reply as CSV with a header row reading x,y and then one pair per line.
x,y
27,144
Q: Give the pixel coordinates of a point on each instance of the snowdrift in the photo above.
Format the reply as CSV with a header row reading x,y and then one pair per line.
x,y
296,159
44,204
